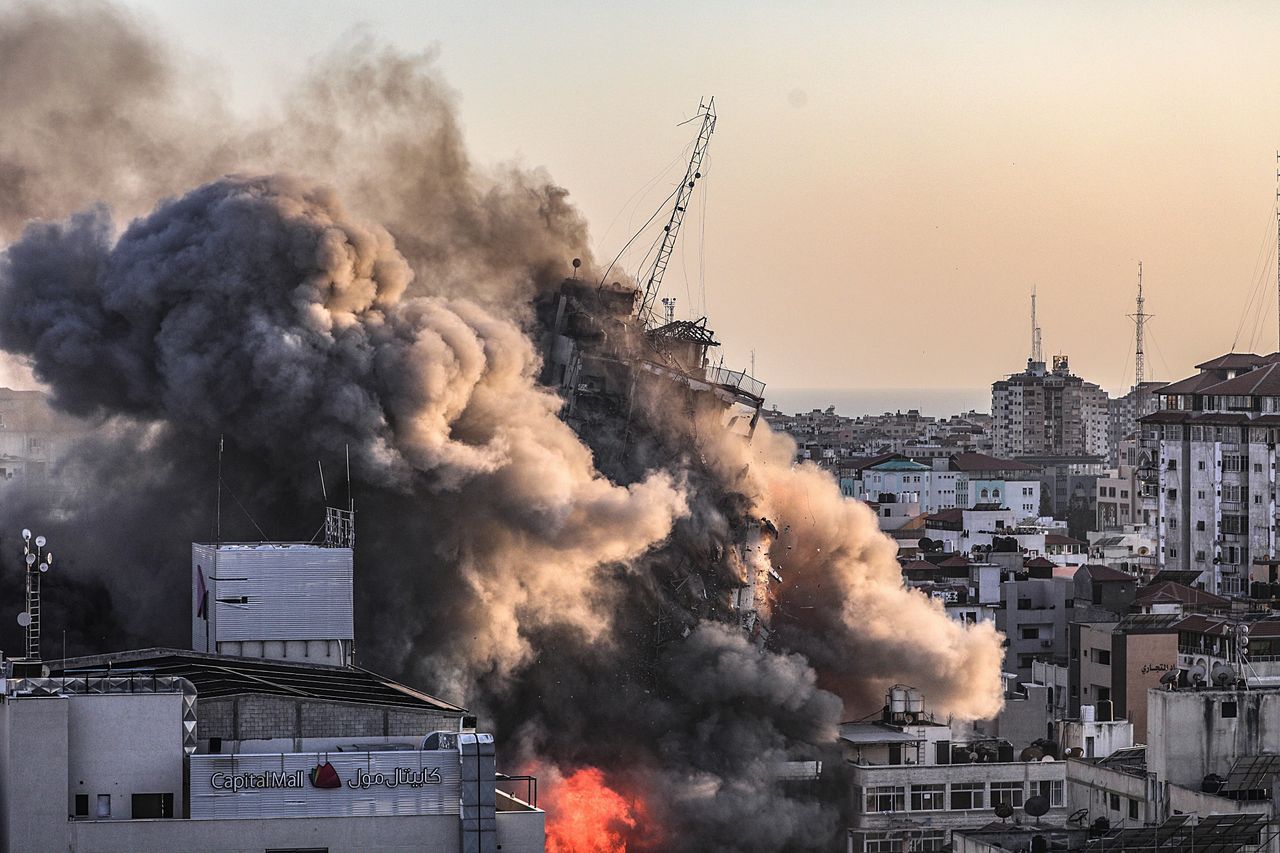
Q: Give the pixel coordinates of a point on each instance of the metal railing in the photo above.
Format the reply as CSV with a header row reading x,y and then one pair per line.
x,y
735,379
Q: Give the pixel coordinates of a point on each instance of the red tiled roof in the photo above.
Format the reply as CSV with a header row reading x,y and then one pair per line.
x,y
1168,591
1191,385
1059,539
958,561
1262,381
1038,563
1166,416
947,515
1233,361
1105,574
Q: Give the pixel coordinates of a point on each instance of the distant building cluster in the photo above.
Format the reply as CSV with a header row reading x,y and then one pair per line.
x,y
1127,550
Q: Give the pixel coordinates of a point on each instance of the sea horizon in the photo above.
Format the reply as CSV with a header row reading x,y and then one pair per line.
x,y
853,402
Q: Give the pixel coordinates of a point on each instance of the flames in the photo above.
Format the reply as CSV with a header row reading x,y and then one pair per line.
x,y
587,816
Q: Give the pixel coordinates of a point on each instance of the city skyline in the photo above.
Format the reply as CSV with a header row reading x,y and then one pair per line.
x,y
955,155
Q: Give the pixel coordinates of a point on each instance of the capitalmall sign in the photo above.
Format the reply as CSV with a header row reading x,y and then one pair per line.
x,y
294,784
325,776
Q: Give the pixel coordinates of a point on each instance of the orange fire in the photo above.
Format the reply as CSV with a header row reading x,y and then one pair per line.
x,y
587,816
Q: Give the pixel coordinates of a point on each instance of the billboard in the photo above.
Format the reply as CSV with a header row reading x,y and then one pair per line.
x,y
325,784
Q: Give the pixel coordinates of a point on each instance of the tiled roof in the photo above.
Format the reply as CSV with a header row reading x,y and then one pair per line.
x,y
1038,563
1059,539
1166,416
1192,384
1233,361
898,465
958,561
1168,591
1105,574
1262,382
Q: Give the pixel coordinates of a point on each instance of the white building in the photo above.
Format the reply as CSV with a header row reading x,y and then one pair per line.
x,y
914,782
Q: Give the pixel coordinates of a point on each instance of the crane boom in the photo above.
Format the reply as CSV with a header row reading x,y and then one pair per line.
x,y
672,228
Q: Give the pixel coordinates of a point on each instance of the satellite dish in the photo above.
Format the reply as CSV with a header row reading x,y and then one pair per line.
x,y
44,567
1170,677
40,541
26,535
1004,810
31,559
1078,816
48,557
1037,806
24,619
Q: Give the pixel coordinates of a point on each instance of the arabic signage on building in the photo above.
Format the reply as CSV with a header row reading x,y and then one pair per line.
x,y
325,784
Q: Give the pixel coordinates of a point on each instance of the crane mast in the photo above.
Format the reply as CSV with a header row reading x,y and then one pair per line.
x,y
654,281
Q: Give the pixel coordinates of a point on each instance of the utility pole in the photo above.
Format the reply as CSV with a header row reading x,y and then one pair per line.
x,y
707,111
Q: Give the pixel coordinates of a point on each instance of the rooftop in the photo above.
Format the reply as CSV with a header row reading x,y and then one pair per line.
x,y
983,462
223,675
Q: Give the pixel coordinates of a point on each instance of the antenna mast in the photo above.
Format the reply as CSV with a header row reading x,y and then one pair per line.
x,y
37,561
708,113
1140,318
1037,353
1278,253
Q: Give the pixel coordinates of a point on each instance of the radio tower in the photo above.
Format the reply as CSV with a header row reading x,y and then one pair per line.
x,y
1140,319
1037,354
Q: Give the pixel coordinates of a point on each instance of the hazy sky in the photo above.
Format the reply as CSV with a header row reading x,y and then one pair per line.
x,y
887,180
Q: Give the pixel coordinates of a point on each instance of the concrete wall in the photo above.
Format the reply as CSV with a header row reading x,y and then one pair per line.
x,y
33,762
518,832
281,723
121,745
1138,663
1190,737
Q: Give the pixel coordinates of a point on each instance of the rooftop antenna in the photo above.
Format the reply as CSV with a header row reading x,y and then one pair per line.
x,y
37,563
1037,353
669,309
707,111
1278,251
577,262
351,504
218,515
1140,318
324,493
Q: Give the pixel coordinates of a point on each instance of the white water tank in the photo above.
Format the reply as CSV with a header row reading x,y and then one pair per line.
x,y
1087,714
898,700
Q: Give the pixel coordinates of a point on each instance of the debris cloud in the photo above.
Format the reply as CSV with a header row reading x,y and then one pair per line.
x,y
599,580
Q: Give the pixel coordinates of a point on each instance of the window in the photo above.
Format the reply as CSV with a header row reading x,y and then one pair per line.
x,y
1199,524
1055,791
82,805
1007,792
1024,604
1102,656
1133,809
885,798
1200,464
1173,465
1173,494
104,805
152,806
1124,493
1113,801
1030,633
968,795
1233,463
1228,710
1104,693
927,798
1257,467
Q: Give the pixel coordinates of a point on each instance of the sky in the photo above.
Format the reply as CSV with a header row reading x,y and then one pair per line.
x,y
887,181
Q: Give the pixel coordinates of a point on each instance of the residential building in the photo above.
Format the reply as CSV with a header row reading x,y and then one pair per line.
x,y
1043,412
914,781
1215,470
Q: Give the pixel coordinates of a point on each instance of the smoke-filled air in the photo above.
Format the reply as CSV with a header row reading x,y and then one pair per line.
x,y
651,604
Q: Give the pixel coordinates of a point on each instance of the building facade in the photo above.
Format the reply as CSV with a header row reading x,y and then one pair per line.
x,y
1043,412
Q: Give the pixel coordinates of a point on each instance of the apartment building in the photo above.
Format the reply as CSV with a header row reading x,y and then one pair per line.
x,y
1214,471
1041,412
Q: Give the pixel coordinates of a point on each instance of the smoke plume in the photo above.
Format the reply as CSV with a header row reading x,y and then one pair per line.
x,y
342,276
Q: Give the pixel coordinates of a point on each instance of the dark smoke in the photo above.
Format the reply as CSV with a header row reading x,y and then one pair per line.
x,y
563,583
